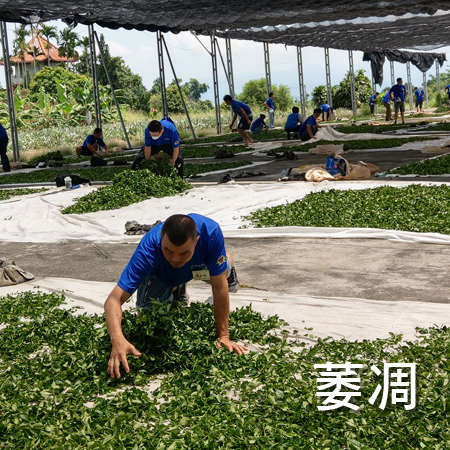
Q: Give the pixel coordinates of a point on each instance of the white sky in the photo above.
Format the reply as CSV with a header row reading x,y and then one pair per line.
x,y
138,49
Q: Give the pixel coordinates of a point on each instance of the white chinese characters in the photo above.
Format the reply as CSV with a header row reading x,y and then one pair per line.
x,y
340,383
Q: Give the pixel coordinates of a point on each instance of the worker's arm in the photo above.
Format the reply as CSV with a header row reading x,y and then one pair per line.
x,y
266,105
309,130
92,149
176,152
147,152
106,150
222,312
120,346
232,122
244,114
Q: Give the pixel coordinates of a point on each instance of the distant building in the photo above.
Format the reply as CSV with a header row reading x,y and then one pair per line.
x,y
45,54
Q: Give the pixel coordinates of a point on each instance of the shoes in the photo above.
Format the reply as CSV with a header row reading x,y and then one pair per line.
x,y
226,179
233,282
296,136
180,296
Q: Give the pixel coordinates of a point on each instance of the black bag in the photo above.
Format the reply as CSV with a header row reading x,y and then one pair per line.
x,y
97,161
76,179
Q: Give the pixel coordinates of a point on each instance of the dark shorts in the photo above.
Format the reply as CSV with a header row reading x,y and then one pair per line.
x,y
399,106
85,151
243,124
419,103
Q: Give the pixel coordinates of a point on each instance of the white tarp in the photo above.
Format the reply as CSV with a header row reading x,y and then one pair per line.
x,y
349,318
37,218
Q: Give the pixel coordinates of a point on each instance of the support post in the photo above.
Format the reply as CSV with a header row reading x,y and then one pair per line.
x,y
438,83
410,94
328,76
97,107
112,90
178,86
162,76
267,67
215,83
229,66
352,82
391,64
10,93
301,82
425,88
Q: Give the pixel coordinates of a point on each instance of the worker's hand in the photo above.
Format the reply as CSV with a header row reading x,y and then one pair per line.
x,y
249,121
231,346
172,163
231,126
119,353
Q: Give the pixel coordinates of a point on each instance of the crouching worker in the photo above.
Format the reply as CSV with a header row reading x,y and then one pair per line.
x,y
161,136
258,126
309,127
92,144
183,248
293,123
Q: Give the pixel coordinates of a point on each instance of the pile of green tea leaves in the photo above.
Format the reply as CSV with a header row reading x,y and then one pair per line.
x,y
130,186
55,392
349,129
6,194
434,166
412,208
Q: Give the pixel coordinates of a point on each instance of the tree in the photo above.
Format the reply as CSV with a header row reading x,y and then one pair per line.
x,y
194,89
20,47
342,95
254,93
49,33
67,41
319,96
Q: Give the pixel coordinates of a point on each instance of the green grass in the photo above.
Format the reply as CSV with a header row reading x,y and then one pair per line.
x,y
436,166
62,397
412,208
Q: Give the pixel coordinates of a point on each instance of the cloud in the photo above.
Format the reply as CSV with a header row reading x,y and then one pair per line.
x,y
117,49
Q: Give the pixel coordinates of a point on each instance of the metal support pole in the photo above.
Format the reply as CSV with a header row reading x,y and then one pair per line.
x,y
438,83
352,82
229,66
10,93
179,88
223,65
408,76
301,82
328,76
215,83
392,73
97,106
425,88
267,67
162,76
112,90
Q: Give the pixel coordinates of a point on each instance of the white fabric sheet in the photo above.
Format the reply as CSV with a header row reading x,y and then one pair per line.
x,y
349,318
37,218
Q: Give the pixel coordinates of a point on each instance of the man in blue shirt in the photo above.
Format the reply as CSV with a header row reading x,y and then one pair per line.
x,y
3,149
397,93
270,106
447,88
326,110
161,136
293,123
245,113
373,102
309,127
91,144
183,248
258,125
387,105
419,93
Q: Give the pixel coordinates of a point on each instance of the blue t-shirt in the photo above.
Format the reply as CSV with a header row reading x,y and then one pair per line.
x,y
169,135
447,88
2,132
292,121
236,107
311,120
148,259
270,104
387,98
373,99
398,91
325,107
419,95
257,123
91,140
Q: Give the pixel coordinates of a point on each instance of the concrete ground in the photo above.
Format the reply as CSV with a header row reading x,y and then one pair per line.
x,y
363,268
